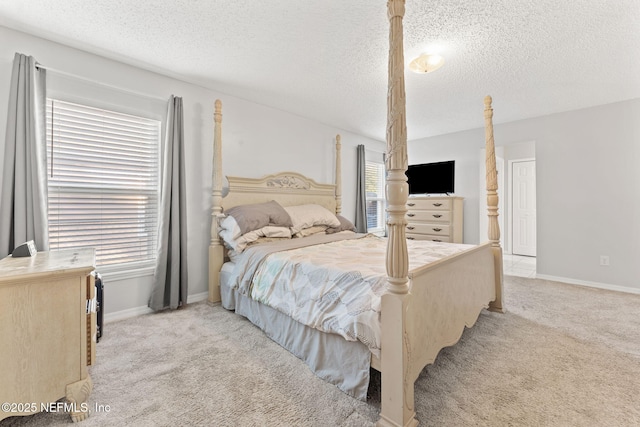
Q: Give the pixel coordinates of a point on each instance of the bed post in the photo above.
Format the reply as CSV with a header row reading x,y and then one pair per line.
x,y
397,387
492,203
216,252
338,182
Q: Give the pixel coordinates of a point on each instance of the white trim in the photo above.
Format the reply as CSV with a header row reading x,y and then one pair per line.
x,y
116,275
197,297
589,284
139,311
126,314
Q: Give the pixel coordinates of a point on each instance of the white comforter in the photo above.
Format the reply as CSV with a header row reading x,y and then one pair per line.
x,y
333,286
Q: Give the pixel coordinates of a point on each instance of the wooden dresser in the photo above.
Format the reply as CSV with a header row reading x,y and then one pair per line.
x,y
435,218
47,332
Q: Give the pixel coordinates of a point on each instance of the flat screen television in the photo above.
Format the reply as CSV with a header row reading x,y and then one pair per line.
x,y
431,178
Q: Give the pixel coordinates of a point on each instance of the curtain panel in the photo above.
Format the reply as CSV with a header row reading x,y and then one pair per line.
x,y
361,196
170,277
23,196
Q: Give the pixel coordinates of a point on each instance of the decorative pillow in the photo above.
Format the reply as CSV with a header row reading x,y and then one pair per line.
x,y
240,243
230,228
245,218
305,216
311,230
345,225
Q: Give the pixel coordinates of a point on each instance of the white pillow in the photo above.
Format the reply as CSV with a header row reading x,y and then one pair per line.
x,y
306,216
230,228
242,219
241,242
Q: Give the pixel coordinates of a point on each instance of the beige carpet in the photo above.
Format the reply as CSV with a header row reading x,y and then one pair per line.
x,y
563,355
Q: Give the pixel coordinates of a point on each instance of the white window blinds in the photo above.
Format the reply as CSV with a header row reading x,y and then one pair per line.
x,y
375,196
103,182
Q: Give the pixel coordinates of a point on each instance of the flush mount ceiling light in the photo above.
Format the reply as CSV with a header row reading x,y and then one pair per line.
x,y
426,63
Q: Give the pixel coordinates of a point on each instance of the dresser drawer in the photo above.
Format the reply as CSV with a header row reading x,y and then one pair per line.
x,y
426,204
436,229
430,216
431,237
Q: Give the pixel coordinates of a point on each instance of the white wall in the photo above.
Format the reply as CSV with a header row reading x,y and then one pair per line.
x,y
588,188
257,140
464,148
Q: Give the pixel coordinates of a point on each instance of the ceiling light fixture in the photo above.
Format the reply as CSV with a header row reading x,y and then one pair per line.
x,y
426,63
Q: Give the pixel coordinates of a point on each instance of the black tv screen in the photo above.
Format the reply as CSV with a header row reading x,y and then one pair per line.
x,y
431,178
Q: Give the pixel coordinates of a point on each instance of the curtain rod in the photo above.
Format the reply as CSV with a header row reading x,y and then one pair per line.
x,y
86,79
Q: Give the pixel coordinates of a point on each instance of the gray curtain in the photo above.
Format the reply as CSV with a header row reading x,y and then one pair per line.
x,y
23,197
361,196
170,277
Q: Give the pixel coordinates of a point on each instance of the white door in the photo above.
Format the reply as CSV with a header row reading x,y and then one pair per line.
x,y
524,207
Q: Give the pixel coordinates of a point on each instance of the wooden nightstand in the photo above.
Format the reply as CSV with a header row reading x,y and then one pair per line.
x,y
47,331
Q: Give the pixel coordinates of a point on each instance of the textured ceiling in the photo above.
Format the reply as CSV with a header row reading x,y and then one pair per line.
x,y
327,59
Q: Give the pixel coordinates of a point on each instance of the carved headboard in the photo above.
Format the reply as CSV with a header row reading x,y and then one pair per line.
x,y
287,188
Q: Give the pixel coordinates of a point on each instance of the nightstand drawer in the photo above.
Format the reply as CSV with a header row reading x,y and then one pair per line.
x,y
430,216
429,237
426,204
436,229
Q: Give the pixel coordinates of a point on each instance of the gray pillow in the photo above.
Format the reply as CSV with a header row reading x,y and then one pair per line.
x,y
258,215
345,225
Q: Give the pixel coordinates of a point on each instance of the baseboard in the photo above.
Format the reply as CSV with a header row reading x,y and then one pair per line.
x,y
589,284
197,297
126,314
139,311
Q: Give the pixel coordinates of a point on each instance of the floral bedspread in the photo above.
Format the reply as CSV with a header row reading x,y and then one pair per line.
x,y
333,286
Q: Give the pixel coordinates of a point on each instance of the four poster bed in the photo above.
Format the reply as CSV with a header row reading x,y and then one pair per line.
x,y
420,302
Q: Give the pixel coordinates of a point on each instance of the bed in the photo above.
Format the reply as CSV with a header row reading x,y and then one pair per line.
x,y
425,301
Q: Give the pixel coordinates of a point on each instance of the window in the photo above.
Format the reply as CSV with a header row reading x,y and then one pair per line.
x,y
103,182
375,197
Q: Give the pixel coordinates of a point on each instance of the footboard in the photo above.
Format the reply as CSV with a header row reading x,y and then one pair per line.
x,y
446,297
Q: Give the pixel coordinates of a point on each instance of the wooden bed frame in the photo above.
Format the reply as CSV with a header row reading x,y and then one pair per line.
x,y
425,309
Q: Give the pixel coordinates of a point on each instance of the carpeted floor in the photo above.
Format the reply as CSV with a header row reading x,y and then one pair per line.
x,y
562,355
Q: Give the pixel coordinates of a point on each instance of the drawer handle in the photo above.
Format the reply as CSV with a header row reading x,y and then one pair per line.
x,y
437,229
411,204
410,227
410,238
437,216
437,204
437,240
410,214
